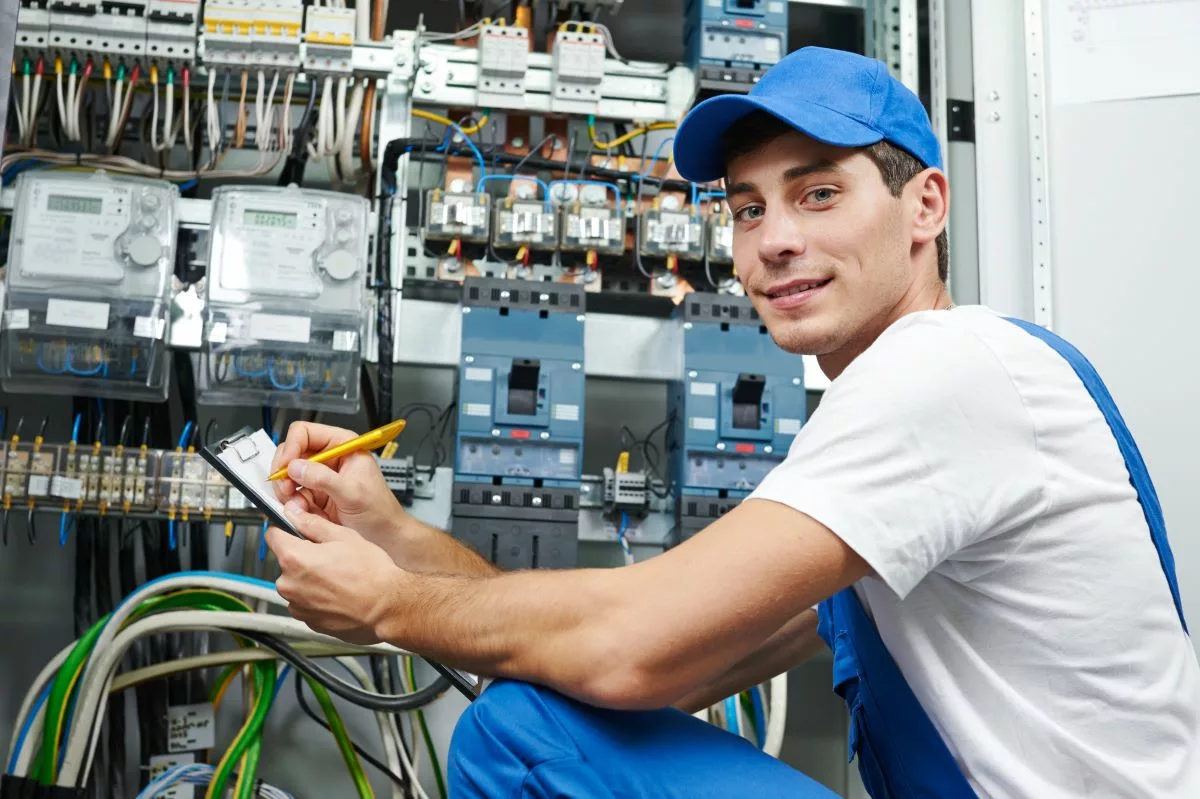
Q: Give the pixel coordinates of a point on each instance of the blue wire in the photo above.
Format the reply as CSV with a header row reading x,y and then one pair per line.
x,y
760,715
542,183
187,184
474,150
615,189
63,531
266,412
187,432
731,715
24,733
75,427
45,368
657,153
243,373
296,385
280,680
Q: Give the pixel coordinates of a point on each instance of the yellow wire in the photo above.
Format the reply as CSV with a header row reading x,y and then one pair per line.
x,y
223,688
633,134
441,120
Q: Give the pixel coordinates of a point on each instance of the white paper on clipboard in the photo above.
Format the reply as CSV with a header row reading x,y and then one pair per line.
x,y
249,460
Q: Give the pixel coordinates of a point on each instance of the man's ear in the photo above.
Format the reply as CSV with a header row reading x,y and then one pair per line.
x,y
932,204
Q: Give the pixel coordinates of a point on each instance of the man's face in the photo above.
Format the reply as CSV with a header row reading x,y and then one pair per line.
x,y
821,246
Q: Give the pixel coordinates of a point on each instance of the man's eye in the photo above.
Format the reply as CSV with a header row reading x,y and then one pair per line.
x,y
749,213
821,196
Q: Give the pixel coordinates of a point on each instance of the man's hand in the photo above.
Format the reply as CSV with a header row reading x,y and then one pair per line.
x,y
336,582
349,491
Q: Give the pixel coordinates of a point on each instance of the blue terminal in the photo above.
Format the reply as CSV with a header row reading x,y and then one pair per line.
x,y
519,441
735,411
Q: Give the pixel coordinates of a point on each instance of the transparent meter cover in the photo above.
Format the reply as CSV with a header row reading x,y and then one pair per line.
x,y
99,235
288,248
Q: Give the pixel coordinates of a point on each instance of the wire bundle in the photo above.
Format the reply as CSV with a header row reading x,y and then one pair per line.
x,y
753,715
58,726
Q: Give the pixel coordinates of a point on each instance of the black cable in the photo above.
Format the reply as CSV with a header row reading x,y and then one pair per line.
x,y
357,696
383,295
364,754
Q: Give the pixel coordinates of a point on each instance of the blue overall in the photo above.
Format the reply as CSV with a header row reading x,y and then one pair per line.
x,y
519,740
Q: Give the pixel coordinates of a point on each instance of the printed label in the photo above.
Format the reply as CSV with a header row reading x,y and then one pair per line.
x,y
702,423
66,487
345,340
149,327
75,313
480,374
17,319
218,333
280,327
160,763
567,457
702,389
566,413
190,727
787,427
477,409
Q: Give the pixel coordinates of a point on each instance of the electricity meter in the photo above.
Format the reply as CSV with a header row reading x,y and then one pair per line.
x,y
285,304
88,286
593,227
675,233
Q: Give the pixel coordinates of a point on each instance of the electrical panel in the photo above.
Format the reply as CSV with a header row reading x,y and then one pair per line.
x,y
731,43
678,233
33,30
329,40
530,223
735,412
457,215
577,65
88,286
171,31
285,300
519,441
503,60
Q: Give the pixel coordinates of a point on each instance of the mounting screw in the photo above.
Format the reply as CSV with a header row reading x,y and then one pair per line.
x,y
768,449
580,317
426,87
495,433
687,325
496,499
994,116
466,309
543,298
544,436
576,366
536,502
721,446
994,96
427,67
469,359
796,381
504,295
693,374
518,142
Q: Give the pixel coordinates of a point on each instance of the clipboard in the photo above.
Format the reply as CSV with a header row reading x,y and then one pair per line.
x,y
244,459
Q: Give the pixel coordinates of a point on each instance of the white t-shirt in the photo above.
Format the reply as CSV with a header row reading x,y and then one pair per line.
x,y
1016,587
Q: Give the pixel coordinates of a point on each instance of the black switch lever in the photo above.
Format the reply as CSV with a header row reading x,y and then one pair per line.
x,y
747,401
523,387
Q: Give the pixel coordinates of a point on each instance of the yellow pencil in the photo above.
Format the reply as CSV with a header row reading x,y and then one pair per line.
x,y
364,443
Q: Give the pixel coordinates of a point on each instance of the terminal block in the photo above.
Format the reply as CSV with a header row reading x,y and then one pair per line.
x,y
171,31
329,40
675,233
503,60
720,237
228,33
454,215
253,33
626,491
401,478
524,223
578,70
593,227
277,26
33,30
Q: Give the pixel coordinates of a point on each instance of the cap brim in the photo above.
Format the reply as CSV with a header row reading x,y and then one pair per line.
x,y
700,158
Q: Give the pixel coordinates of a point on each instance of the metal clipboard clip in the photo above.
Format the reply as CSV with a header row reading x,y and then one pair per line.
x,y
241,444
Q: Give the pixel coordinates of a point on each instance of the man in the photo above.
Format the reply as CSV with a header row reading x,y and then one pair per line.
x,y
1012,626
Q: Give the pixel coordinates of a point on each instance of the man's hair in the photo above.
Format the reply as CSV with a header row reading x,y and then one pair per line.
x,y
898,167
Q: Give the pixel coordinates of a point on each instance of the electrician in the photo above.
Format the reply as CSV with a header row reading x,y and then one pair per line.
x,y
966,507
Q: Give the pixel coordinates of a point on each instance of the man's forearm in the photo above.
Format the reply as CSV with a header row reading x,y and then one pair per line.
x,y
787,648
420,547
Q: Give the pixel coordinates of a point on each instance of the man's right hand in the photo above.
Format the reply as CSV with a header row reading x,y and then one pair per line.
x,y
349,491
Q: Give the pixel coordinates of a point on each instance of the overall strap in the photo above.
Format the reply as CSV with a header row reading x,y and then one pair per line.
x,y
1138,474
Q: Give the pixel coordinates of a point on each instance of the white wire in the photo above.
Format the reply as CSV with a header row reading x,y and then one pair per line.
x,y
269,114
346,153
23,107
169,117
62,108
362,20
259,119
93,696
387,729
187,116
213,123
285,114
462,34
114,117
154,120
72,120
44,676
33,109
777,715
318,150
340,130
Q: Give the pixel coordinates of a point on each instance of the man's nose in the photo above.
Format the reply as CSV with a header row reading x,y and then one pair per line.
x,y
780,238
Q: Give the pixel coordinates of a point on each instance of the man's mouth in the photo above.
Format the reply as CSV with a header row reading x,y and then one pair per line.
x,y
797,288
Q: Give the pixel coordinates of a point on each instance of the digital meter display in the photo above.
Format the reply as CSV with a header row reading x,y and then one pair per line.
x,y
74,205
269,219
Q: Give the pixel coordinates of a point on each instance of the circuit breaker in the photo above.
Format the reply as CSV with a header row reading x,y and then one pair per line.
x,y
735,412
83,29
577,65
328,40
253,33
503,60
285,298
519,442
731,43
88,285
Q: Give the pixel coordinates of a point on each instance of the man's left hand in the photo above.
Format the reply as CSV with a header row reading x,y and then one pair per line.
x,y
336,582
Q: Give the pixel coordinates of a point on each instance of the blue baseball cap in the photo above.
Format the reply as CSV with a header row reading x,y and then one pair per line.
x,y
836,97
